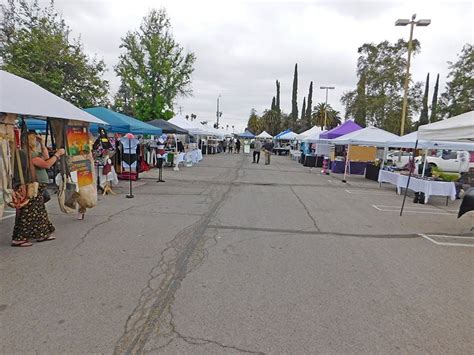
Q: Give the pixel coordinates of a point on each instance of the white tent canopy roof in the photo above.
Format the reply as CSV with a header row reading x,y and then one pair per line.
x,y
264,135
309,132
457,128
371,136
409,141
288,136
190,126
23,97
313,138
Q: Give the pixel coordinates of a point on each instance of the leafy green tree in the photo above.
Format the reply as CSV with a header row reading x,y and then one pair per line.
x,y
434,103
271,122
154,67
273,107
254,123
123,101
36,44
333,117
459,95
303,110
424,111
294,96
378,97
309,107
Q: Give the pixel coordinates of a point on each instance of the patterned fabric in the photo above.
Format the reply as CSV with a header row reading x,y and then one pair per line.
x,y
32,221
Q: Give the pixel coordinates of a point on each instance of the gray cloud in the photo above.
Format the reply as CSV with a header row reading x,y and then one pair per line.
x,y
242,47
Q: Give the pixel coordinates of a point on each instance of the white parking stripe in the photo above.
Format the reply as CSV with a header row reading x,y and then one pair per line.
x,y
446,244
414,210
8,214
364,192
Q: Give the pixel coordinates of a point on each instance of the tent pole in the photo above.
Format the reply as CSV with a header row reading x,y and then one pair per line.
x,y
424,162
347,163
408,181
385,149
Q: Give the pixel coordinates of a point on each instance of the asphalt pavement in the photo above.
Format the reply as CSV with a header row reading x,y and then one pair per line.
x,y
234,257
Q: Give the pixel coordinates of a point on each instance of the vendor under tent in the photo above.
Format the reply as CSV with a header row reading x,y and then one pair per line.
x,y
264,135
455,129
120,123
372,137
21,97
168,127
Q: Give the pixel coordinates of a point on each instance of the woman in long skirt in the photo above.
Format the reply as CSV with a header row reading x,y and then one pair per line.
x,y
32,222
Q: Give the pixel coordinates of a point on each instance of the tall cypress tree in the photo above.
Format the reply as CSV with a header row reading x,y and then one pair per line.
x,y
303,111
434,102
294,96
424,111
278,96
309,108
273,103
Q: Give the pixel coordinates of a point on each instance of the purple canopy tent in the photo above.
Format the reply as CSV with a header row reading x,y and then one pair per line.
x,y
347,127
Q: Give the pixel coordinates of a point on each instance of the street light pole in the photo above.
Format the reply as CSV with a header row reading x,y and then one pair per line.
x,y
218,114
412,23
326,104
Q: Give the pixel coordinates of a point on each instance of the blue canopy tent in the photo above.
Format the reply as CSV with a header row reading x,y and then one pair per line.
x,y
120,123
282,133
247,134
116,123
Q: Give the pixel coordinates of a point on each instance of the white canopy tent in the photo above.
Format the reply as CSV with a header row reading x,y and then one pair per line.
x,y
23,97
192,128
409,141
288,136
457,128
313,138
371,136
264,135
309,132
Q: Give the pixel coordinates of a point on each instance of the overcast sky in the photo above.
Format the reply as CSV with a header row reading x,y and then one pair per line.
x,y
242,47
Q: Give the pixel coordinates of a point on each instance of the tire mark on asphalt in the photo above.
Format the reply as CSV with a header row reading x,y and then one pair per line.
x,y
306,232
305,208
151,318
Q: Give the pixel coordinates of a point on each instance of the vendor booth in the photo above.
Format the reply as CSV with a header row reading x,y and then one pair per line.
x,y
246,137
68,129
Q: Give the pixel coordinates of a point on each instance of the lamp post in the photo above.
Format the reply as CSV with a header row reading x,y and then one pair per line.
x,y
218,113
326,104
412,23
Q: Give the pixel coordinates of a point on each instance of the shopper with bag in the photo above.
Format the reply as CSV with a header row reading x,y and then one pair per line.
x,y
32,220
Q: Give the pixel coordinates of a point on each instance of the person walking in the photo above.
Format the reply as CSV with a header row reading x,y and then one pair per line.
x,y
231,145
237,146
32,220
268,151
256,151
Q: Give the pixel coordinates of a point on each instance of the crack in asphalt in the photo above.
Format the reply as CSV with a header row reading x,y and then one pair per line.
x,y
306,232
305,208
151,318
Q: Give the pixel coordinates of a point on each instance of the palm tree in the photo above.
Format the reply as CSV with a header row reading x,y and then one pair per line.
x,y
318,116
271,121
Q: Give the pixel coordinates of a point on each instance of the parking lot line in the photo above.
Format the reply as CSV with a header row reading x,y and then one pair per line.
x,y
365,192
446,244
423,210
8,214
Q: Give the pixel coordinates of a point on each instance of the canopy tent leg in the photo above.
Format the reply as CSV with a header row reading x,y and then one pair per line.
x,y
408,181
347,163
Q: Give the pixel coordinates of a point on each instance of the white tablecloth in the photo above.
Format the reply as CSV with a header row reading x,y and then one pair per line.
x,y
428,187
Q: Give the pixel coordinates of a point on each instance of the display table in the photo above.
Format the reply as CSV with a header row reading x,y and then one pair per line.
x,y
281,151
428,187
355,168
310,160
295,154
